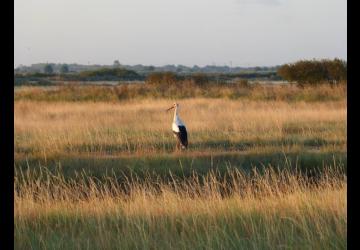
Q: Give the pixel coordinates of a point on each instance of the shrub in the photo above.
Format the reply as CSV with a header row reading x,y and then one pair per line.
x,y
244,83
108,74
162,78
314,72
64,69
48,69
200,79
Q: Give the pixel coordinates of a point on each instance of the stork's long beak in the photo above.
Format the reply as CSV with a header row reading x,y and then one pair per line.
x,y
170,108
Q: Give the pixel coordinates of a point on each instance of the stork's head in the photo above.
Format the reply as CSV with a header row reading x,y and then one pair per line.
x,y
175,105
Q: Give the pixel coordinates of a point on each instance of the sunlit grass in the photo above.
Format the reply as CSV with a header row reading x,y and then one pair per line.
x,y
143,127
260,173
234,91
257,211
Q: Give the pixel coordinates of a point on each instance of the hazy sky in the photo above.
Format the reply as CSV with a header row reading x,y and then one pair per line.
x,y
189,32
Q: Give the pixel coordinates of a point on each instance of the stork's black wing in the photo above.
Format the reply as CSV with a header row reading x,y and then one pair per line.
x,y
182,136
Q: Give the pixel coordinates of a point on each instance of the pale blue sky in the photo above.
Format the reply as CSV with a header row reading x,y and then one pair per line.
x,y
189,32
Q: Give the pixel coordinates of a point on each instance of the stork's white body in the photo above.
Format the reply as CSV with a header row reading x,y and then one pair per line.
x,y
177,122
179,129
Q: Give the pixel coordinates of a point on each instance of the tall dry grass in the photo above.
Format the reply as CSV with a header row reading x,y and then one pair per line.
x,y
143,127
181,90
281,208
272,210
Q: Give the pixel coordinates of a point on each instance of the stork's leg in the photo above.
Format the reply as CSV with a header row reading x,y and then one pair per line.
x,y
178,146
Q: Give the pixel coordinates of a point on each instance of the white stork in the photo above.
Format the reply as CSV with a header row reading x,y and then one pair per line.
x,y
179,129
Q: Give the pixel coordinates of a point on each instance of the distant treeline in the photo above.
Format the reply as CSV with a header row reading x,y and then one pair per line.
x,y
301,72
167,78
142,69
105,74
315,71
120,74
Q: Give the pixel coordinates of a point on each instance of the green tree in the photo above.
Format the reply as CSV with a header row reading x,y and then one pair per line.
x,y
116,63
336,70
48,69
286,73
64,69
314,71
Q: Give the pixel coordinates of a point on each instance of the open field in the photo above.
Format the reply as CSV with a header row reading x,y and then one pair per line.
x,y
138,134
259,172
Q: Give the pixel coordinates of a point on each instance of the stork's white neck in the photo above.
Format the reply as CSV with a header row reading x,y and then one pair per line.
x,y
176,115
177,119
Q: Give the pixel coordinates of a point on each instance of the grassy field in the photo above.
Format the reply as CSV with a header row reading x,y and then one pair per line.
x,y
272,210
263,170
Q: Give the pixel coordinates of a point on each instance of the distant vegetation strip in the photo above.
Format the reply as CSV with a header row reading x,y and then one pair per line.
x,y
120,74
301,72
139,68
186,89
